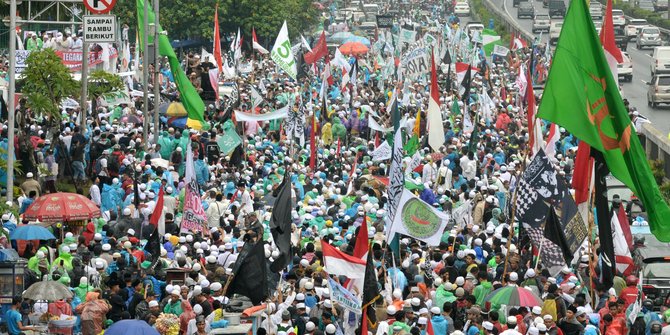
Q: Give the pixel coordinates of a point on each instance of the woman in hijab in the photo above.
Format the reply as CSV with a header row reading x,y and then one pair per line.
x,y
186,315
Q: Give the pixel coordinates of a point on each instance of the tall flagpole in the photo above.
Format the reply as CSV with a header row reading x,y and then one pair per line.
x,y
157,86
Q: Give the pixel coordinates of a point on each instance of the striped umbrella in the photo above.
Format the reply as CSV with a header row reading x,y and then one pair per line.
x,y
513,296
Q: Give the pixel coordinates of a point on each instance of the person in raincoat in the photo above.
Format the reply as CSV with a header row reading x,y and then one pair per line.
x,y
339,130
83,288
64,259
92,313
39,263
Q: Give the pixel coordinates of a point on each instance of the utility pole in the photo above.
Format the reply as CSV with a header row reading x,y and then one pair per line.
x,y
157,86
10,97
145,76
84,85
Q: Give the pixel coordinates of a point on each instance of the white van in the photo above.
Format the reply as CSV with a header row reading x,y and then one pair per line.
x,y
660,60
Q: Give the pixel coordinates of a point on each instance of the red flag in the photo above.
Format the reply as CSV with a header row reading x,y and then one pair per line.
x,y
625,226
158,210
530,109
364,323
312,146
581,177
320,50
607,35
361,247
254,42
429,327
511,41
217,39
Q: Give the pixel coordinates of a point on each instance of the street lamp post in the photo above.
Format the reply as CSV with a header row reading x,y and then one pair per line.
x,y
145,75
11,110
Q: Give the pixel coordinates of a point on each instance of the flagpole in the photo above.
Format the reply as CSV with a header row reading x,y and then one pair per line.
x,y
513,214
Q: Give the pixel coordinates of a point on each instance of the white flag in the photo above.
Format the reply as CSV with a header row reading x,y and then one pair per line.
x,y
256,98
282,54
382,152
415,218
396,184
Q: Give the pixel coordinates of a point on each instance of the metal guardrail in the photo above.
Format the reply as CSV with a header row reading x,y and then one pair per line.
x,y
656,145
510,25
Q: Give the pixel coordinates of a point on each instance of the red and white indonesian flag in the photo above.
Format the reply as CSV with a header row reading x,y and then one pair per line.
x,y
434,115
340,264
612,52
462,69
257,46
624,261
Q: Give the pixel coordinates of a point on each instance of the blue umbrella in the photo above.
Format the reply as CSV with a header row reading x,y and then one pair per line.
x,y
131,327
358,39
8,255
31,232
341,36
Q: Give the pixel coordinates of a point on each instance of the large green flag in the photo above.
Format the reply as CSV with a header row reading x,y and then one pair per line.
x,y
582,96
192,102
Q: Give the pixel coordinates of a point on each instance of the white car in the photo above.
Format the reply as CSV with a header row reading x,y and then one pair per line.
x,y
618,17
462,9
555,31
625,68
598,25
634,26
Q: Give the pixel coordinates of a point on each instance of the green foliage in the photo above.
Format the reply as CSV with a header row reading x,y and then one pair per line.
x,y
46,81
658,170
3,163
188,19
101,82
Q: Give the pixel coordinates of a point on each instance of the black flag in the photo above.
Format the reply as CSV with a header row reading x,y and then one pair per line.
x,y
553,231
370,295
280,222
447,58
153,246
249,276
466,85
607,260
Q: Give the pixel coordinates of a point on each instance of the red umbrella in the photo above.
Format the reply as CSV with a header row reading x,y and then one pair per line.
x,y
58,207
353,48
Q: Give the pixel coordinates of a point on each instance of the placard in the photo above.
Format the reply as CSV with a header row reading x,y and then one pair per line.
x,y
384,21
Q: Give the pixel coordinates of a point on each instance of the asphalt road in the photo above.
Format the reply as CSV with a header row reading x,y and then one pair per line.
x,y
635,91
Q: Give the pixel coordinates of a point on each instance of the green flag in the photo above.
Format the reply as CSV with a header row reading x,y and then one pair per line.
x,y
412,145
455,108
229,139
489,40
192,102
582,96
474,136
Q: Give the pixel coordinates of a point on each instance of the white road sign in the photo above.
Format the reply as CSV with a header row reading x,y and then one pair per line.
x,y
99,28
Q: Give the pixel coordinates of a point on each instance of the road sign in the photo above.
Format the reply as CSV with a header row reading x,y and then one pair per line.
x,y
99,28
99,6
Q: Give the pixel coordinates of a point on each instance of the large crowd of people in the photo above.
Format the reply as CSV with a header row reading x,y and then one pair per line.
x,y
425,289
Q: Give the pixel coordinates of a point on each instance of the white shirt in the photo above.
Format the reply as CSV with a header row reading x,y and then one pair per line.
x,y
95,194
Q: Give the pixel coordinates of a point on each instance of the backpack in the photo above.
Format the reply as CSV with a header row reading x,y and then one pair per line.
x,y
98,166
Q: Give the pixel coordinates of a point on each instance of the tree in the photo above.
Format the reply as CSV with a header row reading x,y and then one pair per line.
x,y
102,82
266,16
46,82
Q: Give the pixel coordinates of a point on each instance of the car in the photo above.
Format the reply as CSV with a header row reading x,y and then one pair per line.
x,y
620,38
462,9
473,26
659,90
660,5
515,3
618,18
652,258
556,8
660,60
541,22
526,9
647,5
625,68
633,27
596,13
555,31
648,37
